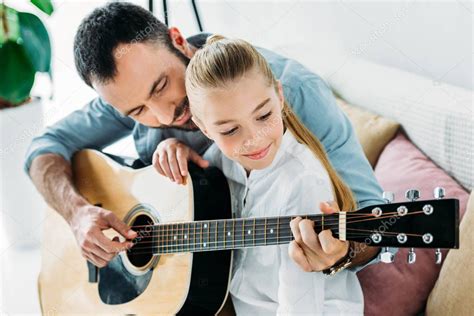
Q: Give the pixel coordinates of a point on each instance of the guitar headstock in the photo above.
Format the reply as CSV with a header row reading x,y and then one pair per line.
x,y
413,224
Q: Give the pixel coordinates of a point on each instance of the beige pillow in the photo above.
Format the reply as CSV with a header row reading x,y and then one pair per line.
x,y
372,130
454,289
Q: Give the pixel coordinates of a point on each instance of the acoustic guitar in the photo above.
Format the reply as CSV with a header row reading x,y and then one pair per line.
x,y
182,257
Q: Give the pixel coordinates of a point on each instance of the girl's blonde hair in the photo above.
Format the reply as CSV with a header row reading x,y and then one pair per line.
x,y
222,60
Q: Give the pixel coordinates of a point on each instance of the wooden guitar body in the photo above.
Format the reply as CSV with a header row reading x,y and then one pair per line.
x,y
175,283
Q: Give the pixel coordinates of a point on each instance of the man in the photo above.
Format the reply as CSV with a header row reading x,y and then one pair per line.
x,y
137,66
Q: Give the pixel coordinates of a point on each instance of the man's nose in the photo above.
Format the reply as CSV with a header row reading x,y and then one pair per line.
x,y
164,112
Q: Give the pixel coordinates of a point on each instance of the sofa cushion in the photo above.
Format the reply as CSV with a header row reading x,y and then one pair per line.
x,y
399,288
373,131
453,292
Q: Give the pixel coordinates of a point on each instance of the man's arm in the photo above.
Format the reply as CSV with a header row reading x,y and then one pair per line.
x,y
48,165
95,126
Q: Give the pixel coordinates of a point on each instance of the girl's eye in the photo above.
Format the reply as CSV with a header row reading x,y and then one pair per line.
x,y
265,117
230,132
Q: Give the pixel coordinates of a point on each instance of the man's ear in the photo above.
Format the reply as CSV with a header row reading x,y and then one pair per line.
x,y
201,126
179,42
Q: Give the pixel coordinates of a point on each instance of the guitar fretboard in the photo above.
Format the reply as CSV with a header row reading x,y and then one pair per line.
x,y
224,234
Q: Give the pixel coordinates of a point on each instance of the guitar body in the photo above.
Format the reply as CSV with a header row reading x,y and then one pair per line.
x,y
175,283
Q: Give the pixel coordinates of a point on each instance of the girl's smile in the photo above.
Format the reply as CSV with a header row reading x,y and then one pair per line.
x,y
259,154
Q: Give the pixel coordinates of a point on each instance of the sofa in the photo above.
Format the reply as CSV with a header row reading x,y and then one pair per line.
x,y
424,287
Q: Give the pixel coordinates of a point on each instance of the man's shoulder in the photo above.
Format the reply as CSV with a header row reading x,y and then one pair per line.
x,y
289,70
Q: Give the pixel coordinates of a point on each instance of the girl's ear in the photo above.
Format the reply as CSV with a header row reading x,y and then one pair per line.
x,y
280,94
201,126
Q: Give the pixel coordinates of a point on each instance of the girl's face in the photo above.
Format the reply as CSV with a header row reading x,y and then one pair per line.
x,y
244,119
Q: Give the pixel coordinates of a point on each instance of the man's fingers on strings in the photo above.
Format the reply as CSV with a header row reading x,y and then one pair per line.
x,y
112,246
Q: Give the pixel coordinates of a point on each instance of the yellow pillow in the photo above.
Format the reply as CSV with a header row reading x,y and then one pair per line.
x,y
372,130
453,291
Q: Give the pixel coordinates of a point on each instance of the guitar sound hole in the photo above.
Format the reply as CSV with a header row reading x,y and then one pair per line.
x,y
142,251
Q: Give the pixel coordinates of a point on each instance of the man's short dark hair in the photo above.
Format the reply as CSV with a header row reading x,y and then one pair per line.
x,y
107,27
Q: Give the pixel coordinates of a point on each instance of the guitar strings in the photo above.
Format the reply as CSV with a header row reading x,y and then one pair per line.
x,y
327,217
198,230
286,230
237,244
283,230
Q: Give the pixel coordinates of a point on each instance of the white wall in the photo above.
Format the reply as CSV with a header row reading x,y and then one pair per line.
x,y
430,38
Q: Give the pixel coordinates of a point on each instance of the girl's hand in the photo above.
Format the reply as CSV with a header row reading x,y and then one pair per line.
x,y
171,159
315,252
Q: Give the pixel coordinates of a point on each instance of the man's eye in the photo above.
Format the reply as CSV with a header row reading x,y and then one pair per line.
x,y
162,87
230,132
265,117
138,111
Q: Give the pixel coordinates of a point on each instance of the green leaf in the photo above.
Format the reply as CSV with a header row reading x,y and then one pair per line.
x,y
36,41
18,74
44,5
11,22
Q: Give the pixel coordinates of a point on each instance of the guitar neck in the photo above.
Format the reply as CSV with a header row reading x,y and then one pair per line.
x,y
227,234
420,224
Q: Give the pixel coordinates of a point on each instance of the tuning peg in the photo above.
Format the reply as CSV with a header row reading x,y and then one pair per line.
x,y
411,256
438,256
386,256
412,195
439,193
388,196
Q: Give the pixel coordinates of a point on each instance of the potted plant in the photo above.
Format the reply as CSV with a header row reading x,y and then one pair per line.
x,y
25,50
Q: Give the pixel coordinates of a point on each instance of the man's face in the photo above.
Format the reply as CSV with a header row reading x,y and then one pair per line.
x,y
149,86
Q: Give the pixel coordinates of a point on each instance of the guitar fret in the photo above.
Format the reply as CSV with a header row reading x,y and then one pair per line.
x,y
254,231
216,244
186,237
278,230
207,241
225,222
180,238
265,232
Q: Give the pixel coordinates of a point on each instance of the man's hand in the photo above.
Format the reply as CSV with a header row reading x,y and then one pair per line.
x,y
171,159
87,225
315,252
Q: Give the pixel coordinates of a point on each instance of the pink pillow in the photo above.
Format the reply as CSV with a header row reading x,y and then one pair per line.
x,y
400,288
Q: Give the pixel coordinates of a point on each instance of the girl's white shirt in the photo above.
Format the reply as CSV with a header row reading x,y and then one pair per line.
x,y
265,280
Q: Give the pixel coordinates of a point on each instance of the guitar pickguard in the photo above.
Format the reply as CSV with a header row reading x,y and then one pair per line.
x,y
117,285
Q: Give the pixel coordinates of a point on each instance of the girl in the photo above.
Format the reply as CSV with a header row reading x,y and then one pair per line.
x,y
275,167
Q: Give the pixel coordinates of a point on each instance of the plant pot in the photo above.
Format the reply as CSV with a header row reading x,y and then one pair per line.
x,y
22,207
